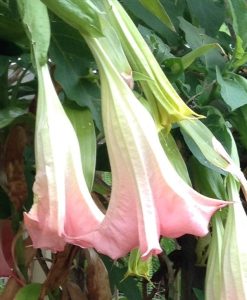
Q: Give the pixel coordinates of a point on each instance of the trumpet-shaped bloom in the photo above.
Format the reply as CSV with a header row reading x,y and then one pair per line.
x,y
167,106
62,203
148,197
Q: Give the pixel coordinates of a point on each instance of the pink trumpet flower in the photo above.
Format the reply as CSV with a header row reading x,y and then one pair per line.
x,y
62,203
148,197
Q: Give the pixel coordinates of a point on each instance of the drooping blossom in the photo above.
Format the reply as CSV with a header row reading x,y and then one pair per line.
x,y
166,105
148,197
62,203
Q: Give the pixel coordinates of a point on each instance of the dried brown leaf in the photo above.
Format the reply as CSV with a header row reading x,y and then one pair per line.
x,y
98,286
75,291
14,165
60,269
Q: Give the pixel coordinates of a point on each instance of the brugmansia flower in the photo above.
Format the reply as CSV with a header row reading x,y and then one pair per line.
x,y
167,106
234,249
148,197
62,203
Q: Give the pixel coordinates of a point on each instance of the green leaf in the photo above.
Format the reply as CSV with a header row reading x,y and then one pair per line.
x,y
30,291
129,286
168,244
179,64
4,64
9,114
171,149
208,14
156,8
233,90
218,126
199,140
20,253
137,266
150,20
82,122
190,57
239,55
37,25
205,180
197,38
12,30
73,60
199,294
160,50
239,120
238,10
82,15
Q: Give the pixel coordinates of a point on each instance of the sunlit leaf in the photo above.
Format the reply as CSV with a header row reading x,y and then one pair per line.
x,y
155,7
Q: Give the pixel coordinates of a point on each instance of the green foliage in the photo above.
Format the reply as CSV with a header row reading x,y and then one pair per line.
x,y
84,127
159,11
74,68
30,291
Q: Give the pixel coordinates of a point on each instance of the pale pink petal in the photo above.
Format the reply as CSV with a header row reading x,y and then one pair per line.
x,y
148,198
62,203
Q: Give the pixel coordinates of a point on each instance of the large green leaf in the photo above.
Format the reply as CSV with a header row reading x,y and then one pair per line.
x,y
128,286
199,140
29,292
238,9
12,30
218,126
190,57
150,20
233,90
208,14
160,50
197,38
37,25
156,8
205,180
239,121
171,149
73,61
82,122
179,64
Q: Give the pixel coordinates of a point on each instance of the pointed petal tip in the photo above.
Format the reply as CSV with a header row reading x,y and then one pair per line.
x,y
151,252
